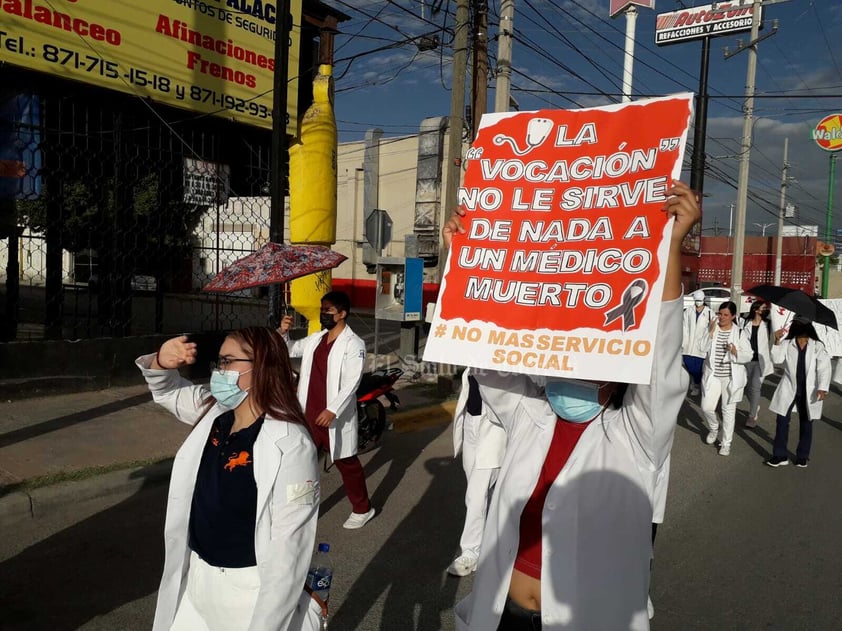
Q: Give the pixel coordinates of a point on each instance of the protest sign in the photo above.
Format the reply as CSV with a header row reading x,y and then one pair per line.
x,y
560,271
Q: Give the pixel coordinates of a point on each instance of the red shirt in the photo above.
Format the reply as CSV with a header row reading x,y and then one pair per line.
x,y
565,438
317,388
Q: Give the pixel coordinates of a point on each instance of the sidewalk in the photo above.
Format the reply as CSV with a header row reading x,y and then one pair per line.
x,y
70,447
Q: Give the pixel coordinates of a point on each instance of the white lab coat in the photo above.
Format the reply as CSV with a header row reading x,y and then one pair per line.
x,y
596,534
818,376
344,371
693,329
491,441
659,502
765,341
287,477
734,392
836,362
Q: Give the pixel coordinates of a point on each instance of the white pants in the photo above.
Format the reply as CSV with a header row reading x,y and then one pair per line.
x,y
217,599
717,387
755,381
480,482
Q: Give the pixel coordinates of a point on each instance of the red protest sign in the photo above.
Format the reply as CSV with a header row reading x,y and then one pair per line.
x,y
565,233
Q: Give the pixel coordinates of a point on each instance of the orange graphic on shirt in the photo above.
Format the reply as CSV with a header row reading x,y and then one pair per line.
x,y
239,460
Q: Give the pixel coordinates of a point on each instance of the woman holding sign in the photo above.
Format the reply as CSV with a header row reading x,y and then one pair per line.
x,y
567,542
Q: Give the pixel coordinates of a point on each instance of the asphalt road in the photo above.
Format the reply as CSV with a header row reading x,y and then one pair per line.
x,y
744,546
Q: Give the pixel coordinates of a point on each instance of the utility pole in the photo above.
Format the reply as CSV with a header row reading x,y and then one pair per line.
x,y
457,105
279,147
780,237
745,147
504,56
697,161
479,92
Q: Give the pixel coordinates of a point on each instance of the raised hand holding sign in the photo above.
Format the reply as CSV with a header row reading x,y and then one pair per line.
x,y
560,243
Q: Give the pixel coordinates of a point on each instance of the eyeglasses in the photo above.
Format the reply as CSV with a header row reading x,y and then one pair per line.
x,y
222,363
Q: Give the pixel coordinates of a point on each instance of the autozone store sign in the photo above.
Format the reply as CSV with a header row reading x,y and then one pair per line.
x,y
710,20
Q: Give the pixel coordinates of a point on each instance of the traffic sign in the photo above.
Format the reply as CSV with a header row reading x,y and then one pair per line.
x,y
378,229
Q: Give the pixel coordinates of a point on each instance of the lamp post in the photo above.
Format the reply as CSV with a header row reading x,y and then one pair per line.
x,y
828,136
763,227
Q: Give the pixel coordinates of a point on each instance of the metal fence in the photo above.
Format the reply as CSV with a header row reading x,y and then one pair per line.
x,y
116,211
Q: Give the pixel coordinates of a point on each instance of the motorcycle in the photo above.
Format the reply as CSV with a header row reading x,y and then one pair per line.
x,y
371,413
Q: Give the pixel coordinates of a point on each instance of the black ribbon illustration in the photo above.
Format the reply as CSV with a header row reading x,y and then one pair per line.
x,y
632,296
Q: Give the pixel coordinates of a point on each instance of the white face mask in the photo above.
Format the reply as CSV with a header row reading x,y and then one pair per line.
x,y
224,388
699,303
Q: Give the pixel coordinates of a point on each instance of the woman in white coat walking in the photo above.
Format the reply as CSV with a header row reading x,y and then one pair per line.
x,y
244,493
803,386
758,328
727,350
567,542
481,439
332,363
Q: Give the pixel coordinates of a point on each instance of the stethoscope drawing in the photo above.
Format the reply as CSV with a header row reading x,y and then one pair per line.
x,y
537,131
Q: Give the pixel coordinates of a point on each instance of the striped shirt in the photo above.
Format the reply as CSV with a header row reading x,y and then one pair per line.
x,y
721,365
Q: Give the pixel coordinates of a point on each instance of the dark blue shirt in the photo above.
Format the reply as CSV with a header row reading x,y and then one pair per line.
x,y
801,373
223,513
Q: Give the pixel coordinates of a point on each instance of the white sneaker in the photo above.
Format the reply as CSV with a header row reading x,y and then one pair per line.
x,y
650,608
751,422
358,520
725,450
711,437
462,565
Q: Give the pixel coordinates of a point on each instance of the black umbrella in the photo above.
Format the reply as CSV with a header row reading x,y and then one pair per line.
x,y
797,301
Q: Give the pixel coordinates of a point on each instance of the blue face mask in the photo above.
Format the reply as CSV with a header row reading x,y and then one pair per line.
x,y
573,400
224,388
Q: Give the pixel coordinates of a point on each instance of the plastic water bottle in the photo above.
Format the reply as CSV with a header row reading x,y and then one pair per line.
x,y
321,573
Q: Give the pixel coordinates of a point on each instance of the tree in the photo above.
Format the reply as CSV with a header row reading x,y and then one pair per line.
x,y
155,232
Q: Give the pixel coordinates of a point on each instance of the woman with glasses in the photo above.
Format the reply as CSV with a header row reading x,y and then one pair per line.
x,y
244,492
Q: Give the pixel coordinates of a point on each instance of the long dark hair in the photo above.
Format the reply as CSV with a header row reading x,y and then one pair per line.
x,y
755,307
800,328
617,396
272,390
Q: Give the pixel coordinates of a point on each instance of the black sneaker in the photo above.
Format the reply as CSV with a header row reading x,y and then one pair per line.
x,y
779,462
801,462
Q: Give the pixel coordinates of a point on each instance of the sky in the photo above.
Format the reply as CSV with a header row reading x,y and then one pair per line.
x,y
569,54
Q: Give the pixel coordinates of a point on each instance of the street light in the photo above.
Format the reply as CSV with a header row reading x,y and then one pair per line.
x,y
763,227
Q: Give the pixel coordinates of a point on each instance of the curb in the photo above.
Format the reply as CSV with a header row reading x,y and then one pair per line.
x,y
19,506
423,417
36,503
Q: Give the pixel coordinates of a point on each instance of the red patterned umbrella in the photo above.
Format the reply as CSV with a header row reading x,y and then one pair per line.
x,y
272,264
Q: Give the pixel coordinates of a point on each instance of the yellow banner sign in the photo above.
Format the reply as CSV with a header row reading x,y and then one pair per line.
x,y
209,56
